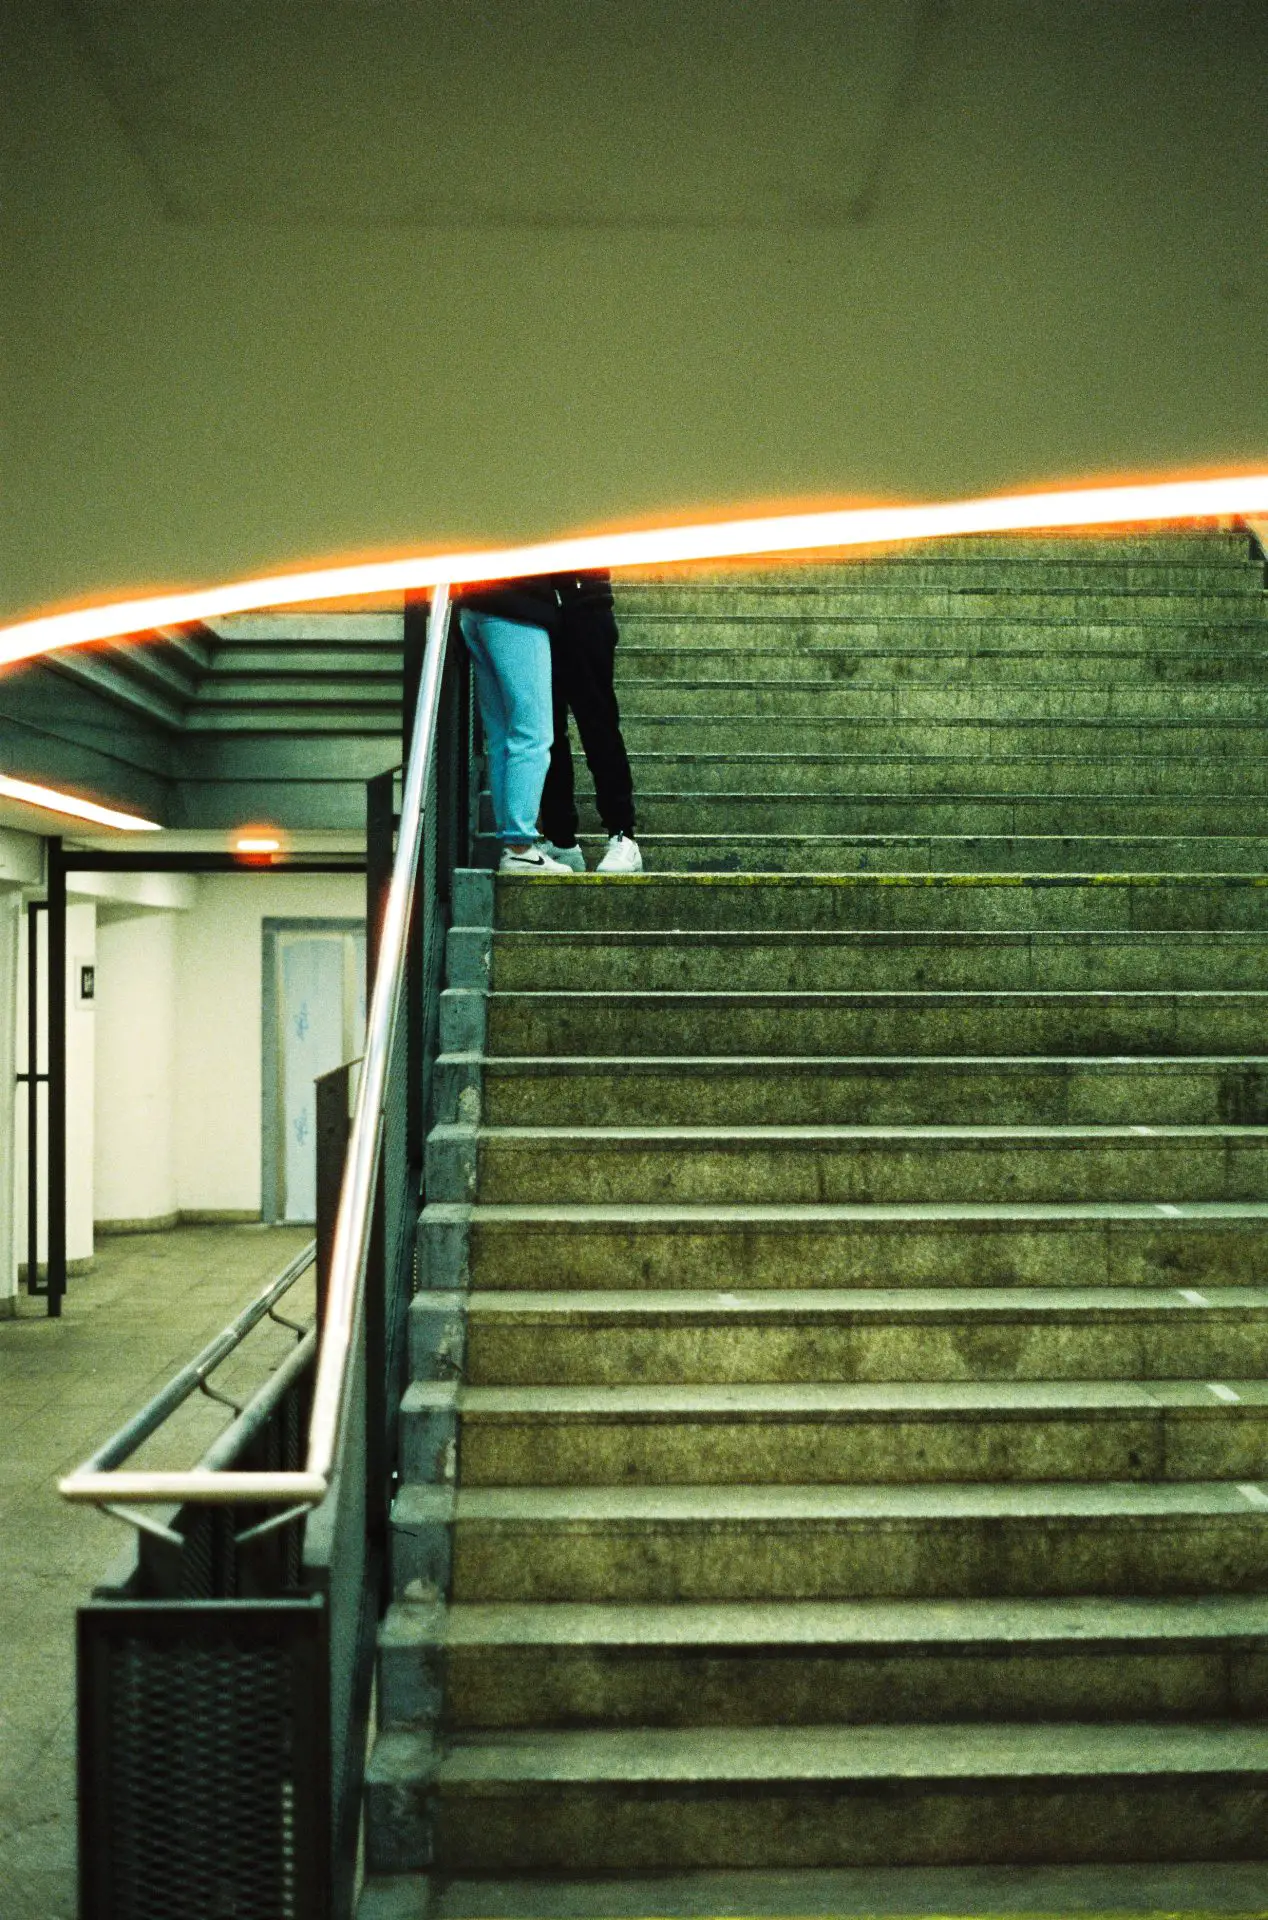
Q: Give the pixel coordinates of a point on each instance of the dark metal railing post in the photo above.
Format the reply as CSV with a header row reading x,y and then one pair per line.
x,y
453,786
379,823
380,836
334,1109
56,888
33,1094
417,608
33,1080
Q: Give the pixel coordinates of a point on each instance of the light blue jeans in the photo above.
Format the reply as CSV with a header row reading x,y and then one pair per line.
x,y
512,676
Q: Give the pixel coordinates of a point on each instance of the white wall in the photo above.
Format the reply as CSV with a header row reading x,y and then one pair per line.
x,y
164,1067
135,1163
219,1047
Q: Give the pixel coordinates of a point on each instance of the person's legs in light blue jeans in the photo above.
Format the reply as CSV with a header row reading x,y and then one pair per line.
x,y
512,675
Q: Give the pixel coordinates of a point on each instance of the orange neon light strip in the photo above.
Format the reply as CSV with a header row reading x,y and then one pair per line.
x,y
71,804
1151,501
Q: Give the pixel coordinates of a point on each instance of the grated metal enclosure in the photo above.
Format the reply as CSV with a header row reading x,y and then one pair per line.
x,y
203,1766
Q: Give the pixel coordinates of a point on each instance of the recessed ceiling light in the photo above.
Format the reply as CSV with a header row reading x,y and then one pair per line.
x,y
54,801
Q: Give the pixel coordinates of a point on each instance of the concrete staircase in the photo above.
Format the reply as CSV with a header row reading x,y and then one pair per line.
x,y
839,1434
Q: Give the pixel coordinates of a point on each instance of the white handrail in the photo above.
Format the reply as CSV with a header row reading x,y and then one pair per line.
x,y
346,1286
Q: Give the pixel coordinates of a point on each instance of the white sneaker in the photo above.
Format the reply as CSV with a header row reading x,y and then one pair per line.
x,y
622,856
570,857
534,861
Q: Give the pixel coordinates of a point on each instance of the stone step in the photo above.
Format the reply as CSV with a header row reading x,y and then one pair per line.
x,y
865,901
986,653
658,1800
855,1663
817,1432
620,1544
1055,573
1193,543
567,1337
822,1090
788,1166
796,852
1138,773
685,704
712,816
830,961
1198,1022
1163,1244
1235,598
1236,740
999,622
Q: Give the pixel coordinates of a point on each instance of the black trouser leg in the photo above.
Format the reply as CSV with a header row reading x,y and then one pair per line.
x,y
559,807
583,658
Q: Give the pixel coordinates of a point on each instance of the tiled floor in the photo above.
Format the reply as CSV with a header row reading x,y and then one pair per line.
x,y
151,1301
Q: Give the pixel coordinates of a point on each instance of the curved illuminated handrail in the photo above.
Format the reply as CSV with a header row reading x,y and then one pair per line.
x,y
346,1283
1106,506
1160,500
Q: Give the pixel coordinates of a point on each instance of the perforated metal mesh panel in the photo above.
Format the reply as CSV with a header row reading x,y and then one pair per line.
x,y
200,1754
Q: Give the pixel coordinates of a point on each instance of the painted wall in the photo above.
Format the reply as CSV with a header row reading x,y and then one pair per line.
x,y
218,1148
134,1176
164,1066
1052,270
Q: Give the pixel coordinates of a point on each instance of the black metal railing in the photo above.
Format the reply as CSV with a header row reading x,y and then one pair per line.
x,y
225,1671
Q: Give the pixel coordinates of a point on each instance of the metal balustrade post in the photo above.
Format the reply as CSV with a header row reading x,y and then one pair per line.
x,y
333,1125
417,609
32,1080
56,889
380,825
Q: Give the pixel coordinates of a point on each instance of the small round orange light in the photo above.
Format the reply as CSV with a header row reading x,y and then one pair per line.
x,y
257,846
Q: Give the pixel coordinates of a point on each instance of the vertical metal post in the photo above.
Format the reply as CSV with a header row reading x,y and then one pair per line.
x,y
417,608
453,765
380,824
333,1125
33,1077
56,887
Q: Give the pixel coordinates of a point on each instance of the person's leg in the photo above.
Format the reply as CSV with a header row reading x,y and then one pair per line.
x,y
519,657
588,653
559,805
493,713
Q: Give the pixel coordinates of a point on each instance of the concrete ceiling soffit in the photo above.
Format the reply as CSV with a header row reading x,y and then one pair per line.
x,y
529,113
155,676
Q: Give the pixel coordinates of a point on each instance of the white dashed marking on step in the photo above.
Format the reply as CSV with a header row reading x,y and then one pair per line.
x,y
1254,1496
1222,1392
1143,1129
1165,1206
1194,1298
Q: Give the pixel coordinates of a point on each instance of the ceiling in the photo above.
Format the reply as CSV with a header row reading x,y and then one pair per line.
x,y
549,113
263,717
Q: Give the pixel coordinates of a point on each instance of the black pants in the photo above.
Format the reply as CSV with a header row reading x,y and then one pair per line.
x,y
582,657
